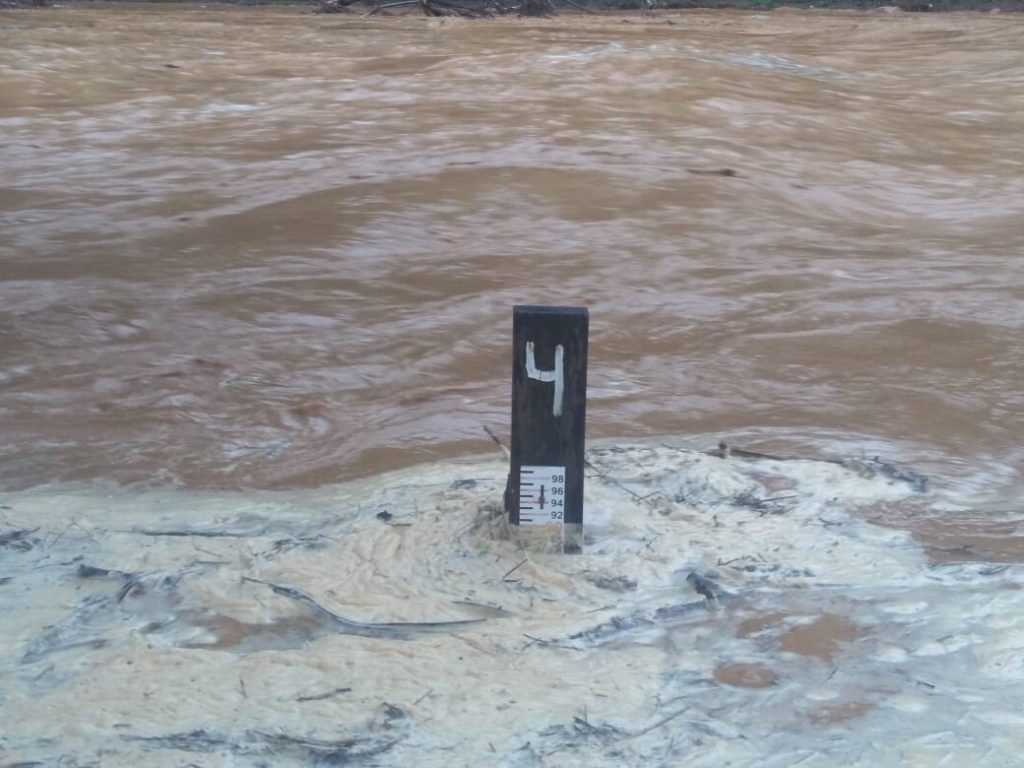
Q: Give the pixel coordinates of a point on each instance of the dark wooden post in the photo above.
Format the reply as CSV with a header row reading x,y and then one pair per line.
x,y
549,399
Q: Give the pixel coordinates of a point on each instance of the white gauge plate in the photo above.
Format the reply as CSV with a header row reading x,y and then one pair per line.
x,y
541,495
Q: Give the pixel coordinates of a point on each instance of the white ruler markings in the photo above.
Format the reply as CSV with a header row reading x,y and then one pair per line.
x,y
541,495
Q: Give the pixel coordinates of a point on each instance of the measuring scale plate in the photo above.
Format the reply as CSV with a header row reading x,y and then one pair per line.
x,y
541,495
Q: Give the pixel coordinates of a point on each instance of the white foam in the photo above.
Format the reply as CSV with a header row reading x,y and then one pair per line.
x,y
605,658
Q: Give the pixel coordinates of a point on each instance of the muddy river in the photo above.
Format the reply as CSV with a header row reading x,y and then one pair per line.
x,y
267,251
268,248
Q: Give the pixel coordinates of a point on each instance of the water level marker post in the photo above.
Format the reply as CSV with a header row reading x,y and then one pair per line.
x,y
549,403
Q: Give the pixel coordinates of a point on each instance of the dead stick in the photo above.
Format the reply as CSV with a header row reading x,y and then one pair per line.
x,y
370,629
497,442
322,696
421,698
661,722
201,534
378,8
514,568
616,483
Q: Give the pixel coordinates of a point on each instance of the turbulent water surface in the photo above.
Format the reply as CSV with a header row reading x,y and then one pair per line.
x,y
267,250
264,247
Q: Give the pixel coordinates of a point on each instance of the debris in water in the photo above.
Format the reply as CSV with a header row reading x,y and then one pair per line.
x,y
612,583
865,467
322,696
390,629
93,572
708,588
377,737
18,539
713,171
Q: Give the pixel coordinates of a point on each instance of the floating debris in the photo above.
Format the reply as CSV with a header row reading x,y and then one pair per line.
x,y
708,588
612,583
375,738
327,695
390,629
865,467
73,632
18,540
639,620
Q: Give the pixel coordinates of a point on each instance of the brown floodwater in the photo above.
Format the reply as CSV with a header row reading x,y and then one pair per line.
x,y
265,248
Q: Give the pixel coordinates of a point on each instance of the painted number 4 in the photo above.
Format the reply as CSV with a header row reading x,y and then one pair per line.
x,y
555,376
